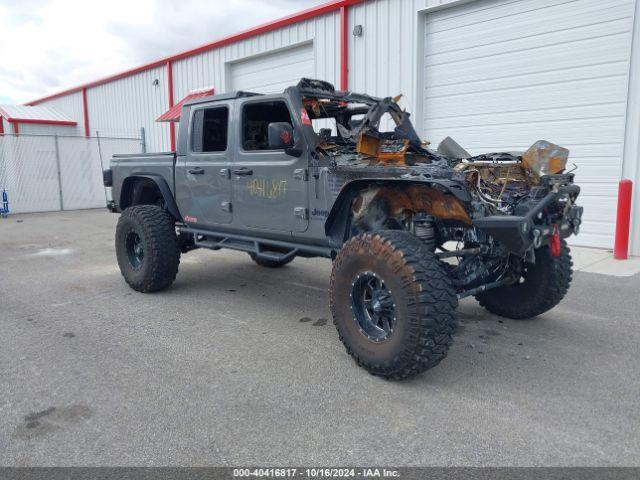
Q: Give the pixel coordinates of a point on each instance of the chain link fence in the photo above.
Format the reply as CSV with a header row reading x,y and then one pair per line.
x,y
42,173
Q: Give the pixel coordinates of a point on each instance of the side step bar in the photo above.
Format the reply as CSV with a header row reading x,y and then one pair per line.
x,y
258,247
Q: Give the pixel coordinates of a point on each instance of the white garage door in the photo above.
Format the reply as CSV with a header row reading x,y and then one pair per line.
x,y
273,72
500,75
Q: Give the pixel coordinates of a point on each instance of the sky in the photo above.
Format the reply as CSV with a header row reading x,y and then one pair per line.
x,y
49,45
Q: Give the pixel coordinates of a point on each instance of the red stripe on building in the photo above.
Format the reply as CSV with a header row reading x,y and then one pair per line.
x,y
85,112
172,128
36,121
344,47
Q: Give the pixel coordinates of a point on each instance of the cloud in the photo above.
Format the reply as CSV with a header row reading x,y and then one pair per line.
x,y
50,45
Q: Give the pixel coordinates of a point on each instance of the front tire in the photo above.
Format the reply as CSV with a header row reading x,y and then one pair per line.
x,y
541,287
147,248
393,304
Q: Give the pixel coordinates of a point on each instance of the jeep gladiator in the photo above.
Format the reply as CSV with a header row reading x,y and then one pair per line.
x,y
316,172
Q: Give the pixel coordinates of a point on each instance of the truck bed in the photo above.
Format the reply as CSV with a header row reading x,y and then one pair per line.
x,y
160,164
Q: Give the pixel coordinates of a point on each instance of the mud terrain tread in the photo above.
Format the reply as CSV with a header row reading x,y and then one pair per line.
x,y
431,301
162,251
543,295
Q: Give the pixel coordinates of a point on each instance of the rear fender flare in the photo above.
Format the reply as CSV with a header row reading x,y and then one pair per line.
x,y
163,187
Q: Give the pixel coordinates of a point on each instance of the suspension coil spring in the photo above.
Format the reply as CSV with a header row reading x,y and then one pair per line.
x,y
424,227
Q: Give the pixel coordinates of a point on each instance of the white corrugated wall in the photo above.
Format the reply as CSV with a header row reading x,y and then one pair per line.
x,y
389,57
386,60
47,129
71,106
383,61
212,68
631,158
497,78
121,107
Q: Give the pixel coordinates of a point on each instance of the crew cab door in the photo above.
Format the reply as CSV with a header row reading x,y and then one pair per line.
x,y
269,187
203,181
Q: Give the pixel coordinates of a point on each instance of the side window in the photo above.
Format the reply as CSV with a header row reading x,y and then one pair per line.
x,y
256,118
209,130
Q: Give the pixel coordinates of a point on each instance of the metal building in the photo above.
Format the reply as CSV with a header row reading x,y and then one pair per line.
x,y
493,74
39,120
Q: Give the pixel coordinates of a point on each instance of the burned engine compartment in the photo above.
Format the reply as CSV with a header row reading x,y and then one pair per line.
x,y
498,208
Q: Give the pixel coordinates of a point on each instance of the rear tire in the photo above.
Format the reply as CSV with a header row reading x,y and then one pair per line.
x,y
270,263
147,248
404,325
543,285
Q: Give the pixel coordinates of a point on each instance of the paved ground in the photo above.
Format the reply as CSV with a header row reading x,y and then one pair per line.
x,y
238,365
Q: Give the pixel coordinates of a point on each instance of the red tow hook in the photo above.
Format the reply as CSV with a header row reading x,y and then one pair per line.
x,y
554,242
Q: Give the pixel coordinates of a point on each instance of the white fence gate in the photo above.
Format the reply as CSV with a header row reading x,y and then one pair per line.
x,y
48,172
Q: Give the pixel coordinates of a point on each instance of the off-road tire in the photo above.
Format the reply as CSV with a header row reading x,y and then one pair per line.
x,y
270,263
425,303
545,284
156,231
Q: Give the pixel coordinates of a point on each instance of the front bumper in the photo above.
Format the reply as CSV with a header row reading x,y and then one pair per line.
x,y
520,233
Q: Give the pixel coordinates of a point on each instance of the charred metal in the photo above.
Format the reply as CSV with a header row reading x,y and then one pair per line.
x,y
488,212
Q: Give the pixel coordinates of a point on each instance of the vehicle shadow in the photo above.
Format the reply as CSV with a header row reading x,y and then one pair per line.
x,y
299,292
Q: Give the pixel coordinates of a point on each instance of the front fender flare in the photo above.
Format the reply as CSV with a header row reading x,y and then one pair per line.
x,y
335,225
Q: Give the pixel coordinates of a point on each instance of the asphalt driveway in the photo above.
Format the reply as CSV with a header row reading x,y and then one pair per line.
x,y
240,365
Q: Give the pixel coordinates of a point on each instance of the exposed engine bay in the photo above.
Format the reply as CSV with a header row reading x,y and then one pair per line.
x,y
497,208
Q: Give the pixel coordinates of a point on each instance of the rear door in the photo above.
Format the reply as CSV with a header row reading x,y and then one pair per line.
x,y
269,186
203,172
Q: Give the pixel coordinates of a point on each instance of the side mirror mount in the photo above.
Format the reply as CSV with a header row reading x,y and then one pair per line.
x,y
280,136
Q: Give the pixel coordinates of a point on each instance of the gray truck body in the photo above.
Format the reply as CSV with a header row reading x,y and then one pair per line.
x,y
274,202
410,230
302,196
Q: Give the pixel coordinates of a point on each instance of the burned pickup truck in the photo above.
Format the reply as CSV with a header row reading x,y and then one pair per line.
x,y
319,172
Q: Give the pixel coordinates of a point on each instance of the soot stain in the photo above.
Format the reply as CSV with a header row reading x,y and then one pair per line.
x,y
305,319
68,334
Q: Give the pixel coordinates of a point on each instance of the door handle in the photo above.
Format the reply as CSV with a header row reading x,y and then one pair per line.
x,y
197,171
241,172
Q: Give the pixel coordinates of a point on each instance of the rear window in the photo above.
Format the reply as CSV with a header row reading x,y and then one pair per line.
x,y
209,131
